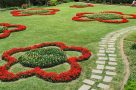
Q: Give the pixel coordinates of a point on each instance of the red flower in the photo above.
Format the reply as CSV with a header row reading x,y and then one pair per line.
x,y
7,32
80,17
78,6
69,75
19,12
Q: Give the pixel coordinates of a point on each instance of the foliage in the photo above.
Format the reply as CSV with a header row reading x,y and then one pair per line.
x,y
45,57
11,3
72,33
52,2
113,1
81,4
105,16
2,29
34,11
131,85
130,51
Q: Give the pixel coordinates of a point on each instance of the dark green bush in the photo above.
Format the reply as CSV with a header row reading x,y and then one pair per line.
x,y
44,57
105,16
2,29
113,1
131,85
12,3
34,11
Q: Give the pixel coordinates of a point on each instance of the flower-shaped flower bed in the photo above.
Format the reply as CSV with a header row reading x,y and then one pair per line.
x,y
34,11
37,70
82,5
5,32
106,16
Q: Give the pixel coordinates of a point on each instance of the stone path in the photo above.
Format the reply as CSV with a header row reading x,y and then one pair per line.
x,y
102,76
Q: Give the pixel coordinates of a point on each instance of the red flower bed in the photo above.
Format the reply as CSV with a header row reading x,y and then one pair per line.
x,y
124,19
78,6
69,75
7,32
19,12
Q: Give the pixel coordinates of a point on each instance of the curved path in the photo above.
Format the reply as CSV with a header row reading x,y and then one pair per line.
x,y
102,76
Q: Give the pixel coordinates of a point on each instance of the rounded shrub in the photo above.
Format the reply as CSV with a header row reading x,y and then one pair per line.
x,y
43,57
105,16
34,11
2,29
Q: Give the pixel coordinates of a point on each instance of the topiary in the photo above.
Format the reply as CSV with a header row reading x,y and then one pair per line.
x,y
35,11
2,29
44,57
104,16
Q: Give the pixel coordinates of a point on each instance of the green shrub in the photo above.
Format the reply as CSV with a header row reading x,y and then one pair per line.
x,y
133,46
105,16
44,57
2,29
81,4
12,8
34,11
52,2
131,85
11,3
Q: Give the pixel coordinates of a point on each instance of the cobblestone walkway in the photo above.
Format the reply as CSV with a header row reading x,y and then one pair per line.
x,y
102,76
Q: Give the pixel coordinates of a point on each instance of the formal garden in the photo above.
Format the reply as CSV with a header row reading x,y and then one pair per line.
x,y
67,45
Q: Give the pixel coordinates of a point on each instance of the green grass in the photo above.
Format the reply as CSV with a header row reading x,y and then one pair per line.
x,y
60,27
130,50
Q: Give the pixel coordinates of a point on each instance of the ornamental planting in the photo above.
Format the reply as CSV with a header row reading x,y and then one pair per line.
x,y
36,69
82,5
5,32
106,16
34,11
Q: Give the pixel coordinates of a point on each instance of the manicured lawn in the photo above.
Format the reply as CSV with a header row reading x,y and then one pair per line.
x,y
61,28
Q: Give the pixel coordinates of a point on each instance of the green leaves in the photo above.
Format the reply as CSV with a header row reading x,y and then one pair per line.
x,y
44,57
34,11
104,16
2,29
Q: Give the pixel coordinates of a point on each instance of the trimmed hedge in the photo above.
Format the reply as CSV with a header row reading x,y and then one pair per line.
x,y
2,29
34,11
44,57
104,16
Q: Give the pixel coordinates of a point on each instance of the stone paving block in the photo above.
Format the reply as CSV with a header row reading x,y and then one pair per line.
x,y
111,73
107,79
111,43
96,77
102,51
93,89
103,41
102,58
88,81
103,86
110,51
101,55
102,45
112,59
84,87
110,68
112,55
96,71
112,63
100,67
111,46
100,62
113,39
113,49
